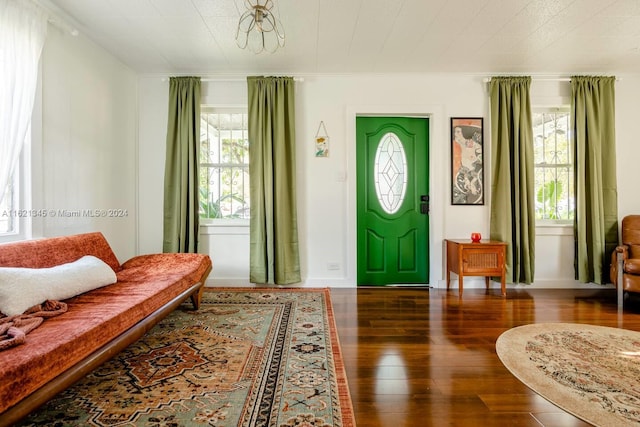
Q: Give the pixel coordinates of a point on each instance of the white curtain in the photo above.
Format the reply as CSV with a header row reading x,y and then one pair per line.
x,y
23,28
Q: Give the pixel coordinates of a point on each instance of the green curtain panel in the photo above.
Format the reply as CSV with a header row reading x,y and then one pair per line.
x,y
274,257
512,183
596,216
181,211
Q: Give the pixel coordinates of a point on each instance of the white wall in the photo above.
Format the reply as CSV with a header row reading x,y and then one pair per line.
x,y
326,186
152,124
627,146
85,147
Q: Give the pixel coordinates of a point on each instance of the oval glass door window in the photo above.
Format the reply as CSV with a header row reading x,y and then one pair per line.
x,y
390,172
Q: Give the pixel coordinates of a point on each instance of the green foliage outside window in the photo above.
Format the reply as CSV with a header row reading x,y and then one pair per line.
x,y
547,198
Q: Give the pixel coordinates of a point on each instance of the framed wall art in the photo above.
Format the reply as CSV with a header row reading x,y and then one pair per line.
x,y
467,161
322,141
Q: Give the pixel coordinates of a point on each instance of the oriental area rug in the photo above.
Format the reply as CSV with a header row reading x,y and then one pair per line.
x,y
247,357
592,372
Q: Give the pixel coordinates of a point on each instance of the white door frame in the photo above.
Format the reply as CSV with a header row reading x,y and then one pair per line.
x,y
437,180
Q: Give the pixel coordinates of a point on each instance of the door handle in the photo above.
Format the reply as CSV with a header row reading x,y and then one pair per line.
x,y
424,206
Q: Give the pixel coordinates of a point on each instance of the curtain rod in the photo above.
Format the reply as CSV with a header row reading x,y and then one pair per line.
x,y
213,79
229,79
63,26
541,79
55,17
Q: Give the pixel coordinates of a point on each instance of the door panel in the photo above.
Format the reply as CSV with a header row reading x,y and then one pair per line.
x,y
407,259
392,179
375,244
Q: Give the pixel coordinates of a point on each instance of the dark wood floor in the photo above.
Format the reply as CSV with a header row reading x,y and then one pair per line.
x,y
424,357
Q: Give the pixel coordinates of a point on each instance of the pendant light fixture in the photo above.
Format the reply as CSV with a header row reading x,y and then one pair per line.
x,y
258,28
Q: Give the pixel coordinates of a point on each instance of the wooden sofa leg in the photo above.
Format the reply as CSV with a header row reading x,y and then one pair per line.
x,y
196,297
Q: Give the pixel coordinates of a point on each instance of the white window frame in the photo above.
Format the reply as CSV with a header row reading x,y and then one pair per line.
x,y
563,223
9,207
224,222
20,209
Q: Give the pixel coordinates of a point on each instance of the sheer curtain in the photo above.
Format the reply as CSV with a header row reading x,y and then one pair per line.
x,y
23,29
181,180
274,257
512,184
596,219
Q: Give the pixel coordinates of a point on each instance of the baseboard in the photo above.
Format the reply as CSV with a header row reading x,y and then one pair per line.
x,y
469,283
228,282
478,282
233,282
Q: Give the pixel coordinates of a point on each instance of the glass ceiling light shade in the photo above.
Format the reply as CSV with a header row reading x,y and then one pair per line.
x,y
258,28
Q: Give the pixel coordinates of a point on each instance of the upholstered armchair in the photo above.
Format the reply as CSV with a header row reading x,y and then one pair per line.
x,y
625,260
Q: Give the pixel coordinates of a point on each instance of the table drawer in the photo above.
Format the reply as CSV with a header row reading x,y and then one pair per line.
x,y
482,260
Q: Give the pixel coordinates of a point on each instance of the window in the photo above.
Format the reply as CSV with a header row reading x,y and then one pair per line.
x,y
22,38
553,153
224,164
15,209
390,173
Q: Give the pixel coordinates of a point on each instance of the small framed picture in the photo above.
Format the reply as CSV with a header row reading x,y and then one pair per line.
x,y
467,161
322,141
322,146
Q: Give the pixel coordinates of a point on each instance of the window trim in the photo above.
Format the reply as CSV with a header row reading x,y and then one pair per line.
x,y
22,195
9,210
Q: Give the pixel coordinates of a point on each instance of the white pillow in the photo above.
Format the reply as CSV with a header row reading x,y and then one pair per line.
x,y
22,288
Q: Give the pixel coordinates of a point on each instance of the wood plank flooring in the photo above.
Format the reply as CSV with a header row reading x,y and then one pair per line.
x,y
424,357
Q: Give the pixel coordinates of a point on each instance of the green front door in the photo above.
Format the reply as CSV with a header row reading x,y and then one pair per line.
x,y
392,193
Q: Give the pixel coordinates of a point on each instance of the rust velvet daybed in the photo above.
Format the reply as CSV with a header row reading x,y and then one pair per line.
x,y
97,324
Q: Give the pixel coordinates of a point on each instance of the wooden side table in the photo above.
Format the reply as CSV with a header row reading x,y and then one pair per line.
x,y
485,258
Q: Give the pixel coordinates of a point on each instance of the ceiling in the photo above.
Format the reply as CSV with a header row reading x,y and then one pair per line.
x,y
373,36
